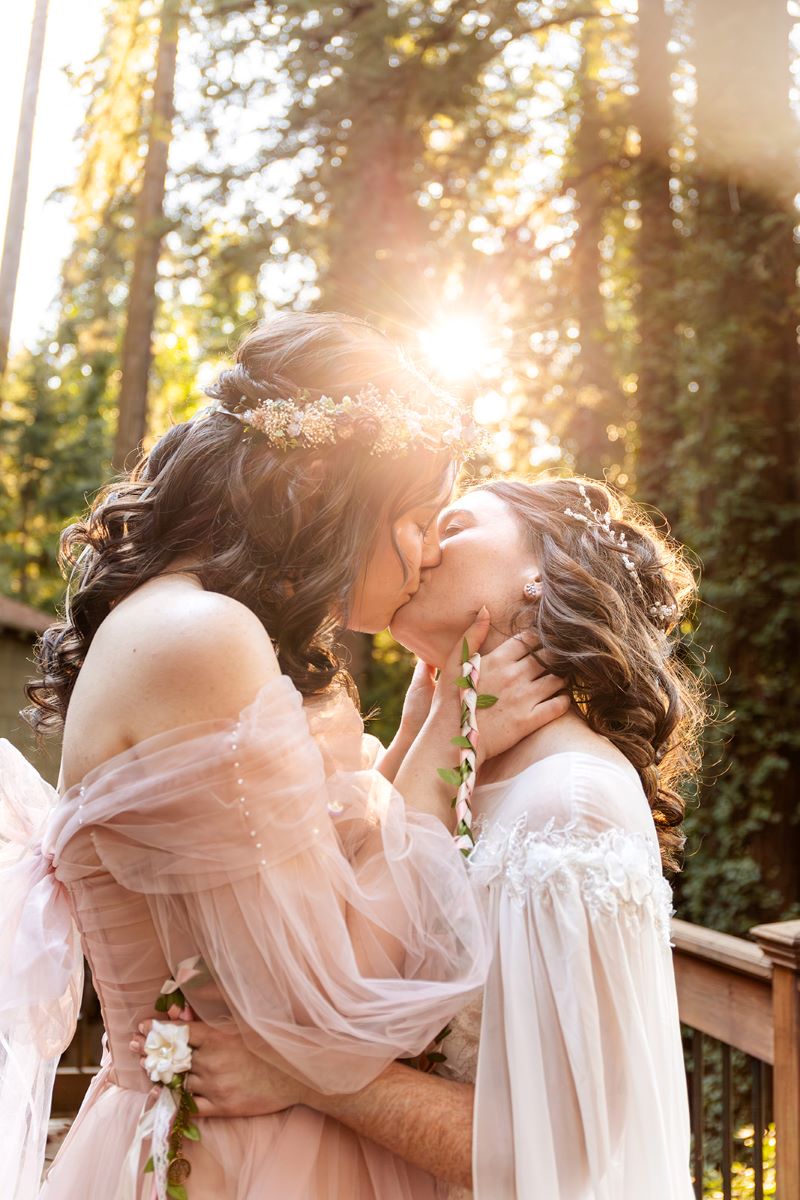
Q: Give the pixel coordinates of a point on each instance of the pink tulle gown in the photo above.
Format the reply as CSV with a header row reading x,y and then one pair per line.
x,y
336,932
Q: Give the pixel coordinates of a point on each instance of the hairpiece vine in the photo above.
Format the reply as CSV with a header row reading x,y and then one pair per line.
x,y
602,522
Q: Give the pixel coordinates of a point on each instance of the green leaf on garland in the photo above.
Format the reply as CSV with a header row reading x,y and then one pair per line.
x,y
461,741
465,654
190,1102
166,1000
177,1191
463,830
149,1166
450,775
192,1133
463,682
485,701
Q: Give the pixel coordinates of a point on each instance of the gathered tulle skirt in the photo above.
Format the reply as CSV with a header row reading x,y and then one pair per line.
x,y
297,1154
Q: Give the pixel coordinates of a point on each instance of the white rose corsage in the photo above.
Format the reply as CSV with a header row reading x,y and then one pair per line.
x,y
167,1051
167,1061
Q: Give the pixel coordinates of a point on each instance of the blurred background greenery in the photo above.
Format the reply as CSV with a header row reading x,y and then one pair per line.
x,y
583,214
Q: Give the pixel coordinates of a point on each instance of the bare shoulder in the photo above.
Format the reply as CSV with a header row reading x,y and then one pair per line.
x,y
170,654
201,653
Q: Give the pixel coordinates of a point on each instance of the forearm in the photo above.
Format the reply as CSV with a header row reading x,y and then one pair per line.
x,y
417,779
392,757
422,1118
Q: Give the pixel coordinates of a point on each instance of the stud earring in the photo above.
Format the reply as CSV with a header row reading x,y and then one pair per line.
x,y
532,591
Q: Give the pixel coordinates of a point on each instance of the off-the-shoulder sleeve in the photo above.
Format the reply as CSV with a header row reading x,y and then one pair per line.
x,y
580,1091
337,929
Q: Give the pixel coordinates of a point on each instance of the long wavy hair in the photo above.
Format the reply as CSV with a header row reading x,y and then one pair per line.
x,y
615,640
269,527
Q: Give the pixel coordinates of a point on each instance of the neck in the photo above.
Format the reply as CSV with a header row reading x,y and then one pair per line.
x,y
568,732
494,638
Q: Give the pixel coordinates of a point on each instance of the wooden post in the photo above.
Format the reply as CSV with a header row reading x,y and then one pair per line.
x,y
781,943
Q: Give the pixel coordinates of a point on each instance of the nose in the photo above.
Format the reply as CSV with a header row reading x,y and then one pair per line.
x,y
431,550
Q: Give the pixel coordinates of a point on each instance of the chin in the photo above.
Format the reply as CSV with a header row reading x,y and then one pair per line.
x,y
415,637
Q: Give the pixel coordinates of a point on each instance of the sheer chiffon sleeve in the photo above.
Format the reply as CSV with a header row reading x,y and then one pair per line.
x,y
336,929
41,972
580,1091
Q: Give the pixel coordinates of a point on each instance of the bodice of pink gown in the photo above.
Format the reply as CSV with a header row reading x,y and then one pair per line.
x,y
336,931
294,1154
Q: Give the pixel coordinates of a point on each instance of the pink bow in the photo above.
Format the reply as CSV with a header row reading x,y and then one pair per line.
x,y
187,970
41,970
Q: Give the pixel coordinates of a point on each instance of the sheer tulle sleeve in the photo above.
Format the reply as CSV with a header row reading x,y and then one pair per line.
x,y
580,1086
336,929
41,972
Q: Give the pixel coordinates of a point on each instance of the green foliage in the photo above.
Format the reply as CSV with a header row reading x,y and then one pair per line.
x,y
383,685
743,1183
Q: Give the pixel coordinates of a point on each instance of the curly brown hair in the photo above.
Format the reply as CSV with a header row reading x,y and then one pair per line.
x,y
288,541
612,629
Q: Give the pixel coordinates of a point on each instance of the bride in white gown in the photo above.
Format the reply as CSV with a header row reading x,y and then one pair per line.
x,y
566,1081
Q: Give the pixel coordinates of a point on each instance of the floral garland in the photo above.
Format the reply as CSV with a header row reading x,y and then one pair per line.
x,y
386,423
168,1060
462,777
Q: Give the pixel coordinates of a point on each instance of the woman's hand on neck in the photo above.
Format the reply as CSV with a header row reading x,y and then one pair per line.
x,y
569,732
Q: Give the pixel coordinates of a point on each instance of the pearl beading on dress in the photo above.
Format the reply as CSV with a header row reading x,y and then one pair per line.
x,y
240,783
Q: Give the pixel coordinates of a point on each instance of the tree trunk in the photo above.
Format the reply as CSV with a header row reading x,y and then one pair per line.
x,y
137,341
15,223
658,245
596,394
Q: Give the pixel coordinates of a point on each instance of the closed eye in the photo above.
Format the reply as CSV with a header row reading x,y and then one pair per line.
x,y
451,527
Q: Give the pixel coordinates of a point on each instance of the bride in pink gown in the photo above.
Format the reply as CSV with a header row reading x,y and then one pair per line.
x,y
219,801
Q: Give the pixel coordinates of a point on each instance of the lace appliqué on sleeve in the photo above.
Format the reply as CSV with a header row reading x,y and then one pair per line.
x,y
618,873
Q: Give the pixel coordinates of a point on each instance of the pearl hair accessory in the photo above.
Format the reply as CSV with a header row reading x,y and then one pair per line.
x,y
602,521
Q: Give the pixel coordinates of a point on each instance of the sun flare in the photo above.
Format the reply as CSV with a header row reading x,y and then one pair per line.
x,y
457,347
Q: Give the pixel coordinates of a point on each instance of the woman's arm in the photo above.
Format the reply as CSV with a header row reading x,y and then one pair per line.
x,y
416,707
422,1118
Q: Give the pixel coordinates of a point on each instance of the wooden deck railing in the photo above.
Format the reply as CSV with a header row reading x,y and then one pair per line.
x,y
746,995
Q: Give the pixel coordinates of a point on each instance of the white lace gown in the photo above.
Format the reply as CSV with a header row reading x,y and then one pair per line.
x,y
580,1086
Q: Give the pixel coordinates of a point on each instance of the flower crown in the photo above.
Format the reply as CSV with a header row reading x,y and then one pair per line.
x,y
387,423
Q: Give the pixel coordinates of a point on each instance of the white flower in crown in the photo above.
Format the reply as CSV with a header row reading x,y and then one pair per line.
x,y
167,1051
